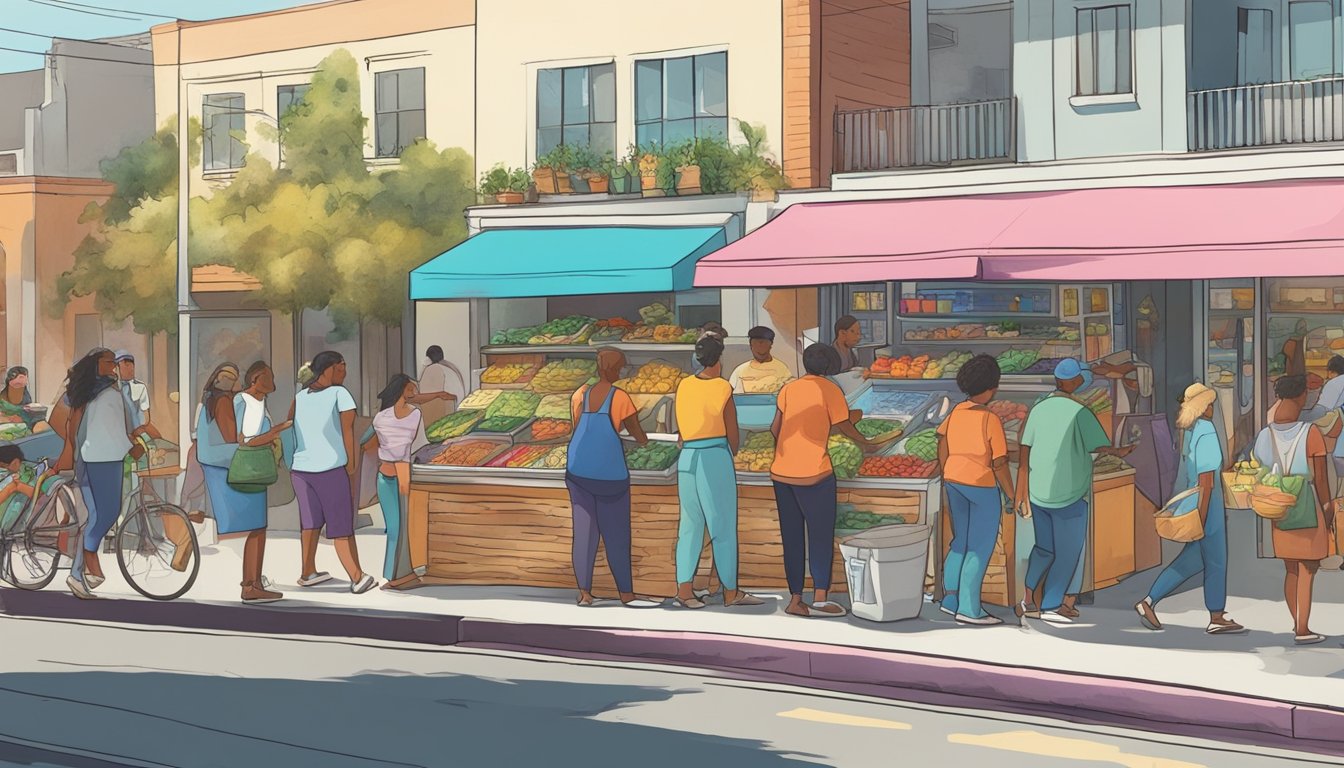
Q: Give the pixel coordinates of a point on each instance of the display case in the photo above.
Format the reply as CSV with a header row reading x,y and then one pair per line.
x,y
1230,359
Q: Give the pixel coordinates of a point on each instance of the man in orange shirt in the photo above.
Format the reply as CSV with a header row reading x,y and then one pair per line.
x,y
804,480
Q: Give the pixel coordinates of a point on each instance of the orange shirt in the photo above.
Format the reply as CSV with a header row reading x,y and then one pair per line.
x,y
975,439
622,407
809,407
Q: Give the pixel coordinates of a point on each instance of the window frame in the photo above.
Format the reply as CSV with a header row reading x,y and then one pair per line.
x,y
1092,50
1336,69
542,148
398,112
213,111
696,116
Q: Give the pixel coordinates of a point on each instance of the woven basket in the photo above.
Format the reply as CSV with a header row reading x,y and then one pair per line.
x,y
1271,505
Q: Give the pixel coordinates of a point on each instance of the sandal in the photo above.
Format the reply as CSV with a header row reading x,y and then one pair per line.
x,y
1311,639
743,599
1227,627
694,604
1148,617
827,610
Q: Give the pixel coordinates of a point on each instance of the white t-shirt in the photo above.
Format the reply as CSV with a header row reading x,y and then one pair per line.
x,y
254,415
319,442
398,439
753,377
138,393
103,430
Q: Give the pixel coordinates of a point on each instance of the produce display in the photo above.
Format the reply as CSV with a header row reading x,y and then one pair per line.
x,y
14,431
518,404
501,424
555,407
904,367
640,334
1105,465
1008,411
479,400
756,453
850,519
879,429
652,457
564,330
897,466
555,458
1017,360
655,378
513,336
609,331
1002,330
550,429
846,456
468,453
563,375
453,425
657,314
923,445
519,456
1097,400
1043,367
949,365
507,373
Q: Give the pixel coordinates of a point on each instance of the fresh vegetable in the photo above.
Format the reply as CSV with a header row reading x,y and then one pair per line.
x,y
501,424
850,519
553,459
554,407
846,456
655,378
897,466
469,453
652,457
501,373
518,403
561,330
519,456
453,425
1008,411
873,428
756,453
550,429
657,314
923,445
563,375
513,336
479,400
1017,360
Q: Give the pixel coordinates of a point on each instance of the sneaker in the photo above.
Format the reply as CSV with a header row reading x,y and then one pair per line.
x,y
983,621
946,610
1147,616
363,585
313,579
78,589
1055,617
93,582
260,596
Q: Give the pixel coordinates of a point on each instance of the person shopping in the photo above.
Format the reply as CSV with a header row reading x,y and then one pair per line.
x,y
1298,449
706,479
398,432
599,481
1202,461
973,454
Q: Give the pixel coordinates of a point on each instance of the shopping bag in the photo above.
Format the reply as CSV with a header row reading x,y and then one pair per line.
x,y
1303,513
1179,520
252,469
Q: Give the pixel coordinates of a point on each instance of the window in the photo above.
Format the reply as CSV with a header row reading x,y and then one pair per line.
x,y
399,98
576,106
1255,46
288,96
1311,39
223,126
1105,51
681,99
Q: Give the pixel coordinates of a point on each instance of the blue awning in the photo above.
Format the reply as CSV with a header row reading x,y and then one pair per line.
x,y
566,261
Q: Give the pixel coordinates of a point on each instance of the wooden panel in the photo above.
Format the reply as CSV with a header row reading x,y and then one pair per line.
x,y
1113,540
1147,544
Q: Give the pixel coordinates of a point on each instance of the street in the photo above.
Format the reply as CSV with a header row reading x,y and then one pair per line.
x,y
82,695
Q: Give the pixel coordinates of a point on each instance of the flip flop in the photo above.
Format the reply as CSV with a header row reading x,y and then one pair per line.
x,y
694,604
745,598
1231,628
818,610
641,603
1311,639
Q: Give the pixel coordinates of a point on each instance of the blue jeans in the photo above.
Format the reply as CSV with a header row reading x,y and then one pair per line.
x,y
707,489
397,561
100,484
1060,538
807,531
975,530
1209,555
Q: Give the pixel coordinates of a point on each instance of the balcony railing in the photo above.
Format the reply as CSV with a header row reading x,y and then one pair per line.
x,y
912,137
1265,115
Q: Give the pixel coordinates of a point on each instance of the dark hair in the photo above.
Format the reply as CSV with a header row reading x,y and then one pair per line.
x,y
210,397
253,371
14,373
321,363
761,332
610,361
708,351
10,454
1290,387
82,380
1336,365
821,360
715,329
435,354
845,323
979,375
396,387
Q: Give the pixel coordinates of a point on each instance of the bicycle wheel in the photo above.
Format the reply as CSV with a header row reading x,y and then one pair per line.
x,y
157,551
31,559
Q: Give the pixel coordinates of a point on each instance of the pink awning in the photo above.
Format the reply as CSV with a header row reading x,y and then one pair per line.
x,y
1281,229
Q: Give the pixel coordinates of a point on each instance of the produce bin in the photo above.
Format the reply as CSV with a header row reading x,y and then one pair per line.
x,y
885,569
39,446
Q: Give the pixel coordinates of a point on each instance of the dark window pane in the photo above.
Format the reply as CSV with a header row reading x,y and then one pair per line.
x,y
649,133
1107,45
410,127
411,89
677,131
387,135
576,135
679,86
576,95
1124,68
711,127
385,92
711,83
602,138
648,90
1087,79
547,140
548,98
604,93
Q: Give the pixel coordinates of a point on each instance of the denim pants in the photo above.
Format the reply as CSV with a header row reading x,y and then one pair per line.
x,y
601,509
100,485
975,514
707,489
1209,555
397,561
807,531
1061,534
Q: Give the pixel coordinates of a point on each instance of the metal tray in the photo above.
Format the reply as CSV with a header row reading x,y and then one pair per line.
x,y
511,435
429,452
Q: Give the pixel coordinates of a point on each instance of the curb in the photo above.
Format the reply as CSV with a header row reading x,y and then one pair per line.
x,y
932,680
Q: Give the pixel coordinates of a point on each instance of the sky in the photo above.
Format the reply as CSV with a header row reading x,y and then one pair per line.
x,y
28,25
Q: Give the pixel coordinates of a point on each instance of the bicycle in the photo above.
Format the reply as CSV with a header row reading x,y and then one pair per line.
x,y
33,545
156,546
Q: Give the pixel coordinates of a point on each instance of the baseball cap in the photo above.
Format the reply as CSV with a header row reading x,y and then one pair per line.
x,y
123,355
761,332
1070,368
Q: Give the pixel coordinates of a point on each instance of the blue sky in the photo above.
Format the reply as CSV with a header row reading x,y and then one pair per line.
x,y
31,23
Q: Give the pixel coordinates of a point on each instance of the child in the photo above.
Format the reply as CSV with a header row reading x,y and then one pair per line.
x,y
16,485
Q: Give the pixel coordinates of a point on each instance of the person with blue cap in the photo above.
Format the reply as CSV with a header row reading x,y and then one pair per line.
x,y
134,390
1054,478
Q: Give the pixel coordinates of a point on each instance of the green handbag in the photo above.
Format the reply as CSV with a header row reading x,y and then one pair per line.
x,y
1303,513
253,469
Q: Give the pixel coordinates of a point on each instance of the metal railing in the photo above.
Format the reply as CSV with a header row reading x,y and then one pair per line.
x,y
911,137
1264,115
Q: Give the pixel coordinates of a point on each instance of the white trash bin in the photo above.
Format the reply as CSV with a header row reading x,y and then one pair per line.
x,y
885,570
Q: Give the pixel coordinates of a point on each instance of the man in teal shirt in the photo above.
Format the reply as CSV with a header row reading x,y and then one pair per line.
x,y
1054,479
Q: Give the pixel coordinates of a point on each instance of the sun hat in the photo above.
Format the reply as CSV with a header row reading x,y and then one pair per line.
x,y
1194,403
1069,369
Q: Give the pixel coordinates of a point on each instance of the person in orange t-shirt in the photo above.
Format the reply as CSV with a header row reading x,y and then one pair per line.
x,y
805,491
973,453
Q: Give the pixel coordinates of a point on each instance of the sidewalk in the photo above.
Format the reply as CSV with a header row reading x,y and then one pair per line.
x,y
1105,669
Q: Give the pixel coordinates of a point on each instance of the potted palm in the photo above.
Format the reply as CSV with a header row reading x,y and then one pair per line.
x,y
507,185
551,173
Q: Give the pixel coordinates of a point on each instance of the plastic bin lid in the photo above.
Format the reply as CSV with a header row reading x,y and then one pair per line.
x,y
889,537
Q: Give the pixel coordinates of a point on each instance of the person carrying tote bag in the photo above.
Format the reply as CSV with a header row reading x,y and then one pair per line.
x,y
1196,516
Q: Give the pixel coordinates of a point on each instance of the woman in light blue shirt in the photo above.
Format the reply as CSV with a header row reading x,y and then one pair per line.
x,y
1202,462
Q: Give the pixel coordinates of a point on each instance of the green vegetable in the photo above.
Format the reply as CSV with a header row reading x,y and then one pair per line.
x,y
923,445
653,457
514,403
846,456
501,423
453,425
871,428
513,336
565,326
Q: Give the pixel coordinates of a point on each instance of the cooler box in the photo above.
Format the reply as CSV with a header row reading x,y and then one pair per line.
x,y
885,569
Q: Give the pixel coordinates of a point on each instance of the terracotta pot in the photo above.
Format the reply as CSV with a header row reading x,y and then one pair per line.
x,y
598,185
562,180
546,181
648,184
688,180
763,195
509,198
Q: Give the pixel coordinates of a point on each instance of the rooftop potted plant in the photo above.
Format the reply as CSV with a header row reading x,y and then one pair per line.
x,y
506,185
683,160
757,171
649,163
717,163
591,171
551,173
624,173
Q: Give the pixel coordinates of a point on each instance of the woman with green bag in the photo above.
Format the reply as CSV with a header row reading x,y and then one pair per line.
x,y
1302,538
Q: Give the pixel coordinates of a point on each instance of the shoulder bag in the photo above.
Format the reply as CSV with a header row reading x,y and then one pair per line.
x,y
1301,515
1178,520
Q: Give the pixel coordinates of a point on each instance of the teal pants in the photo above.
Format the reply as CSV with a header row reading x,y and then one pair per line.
x,y
707,486
397,561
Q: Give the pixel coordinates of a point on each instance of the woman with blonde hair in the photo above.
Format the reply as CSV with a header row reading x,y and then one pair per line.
x,y
1202,461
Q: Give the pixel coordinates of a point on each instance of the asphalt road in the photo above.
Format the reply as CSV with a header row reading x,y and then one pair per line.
x,y
89,696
